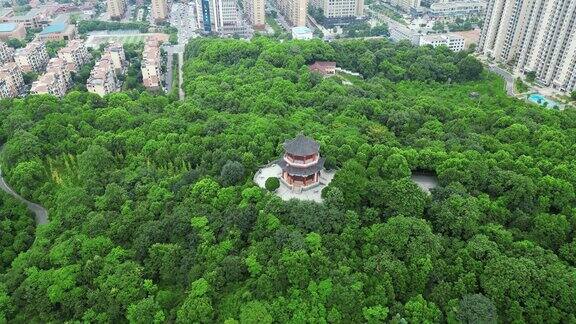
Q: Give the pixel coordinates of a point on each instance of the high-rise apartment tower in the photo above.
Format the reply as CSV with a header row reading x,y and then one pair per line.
x,y
533,36
254,10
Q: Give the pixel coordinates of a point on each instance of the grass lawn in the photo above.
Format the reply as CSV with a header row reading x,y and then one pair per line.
x,y
131,39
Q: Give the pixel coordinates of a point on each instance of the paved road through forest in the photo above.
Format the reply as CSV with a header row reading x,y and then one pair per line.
x,y
40,213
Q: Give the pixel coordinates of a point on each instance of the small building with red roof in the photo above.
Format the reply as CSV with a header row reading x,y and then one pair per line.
x,y
326,68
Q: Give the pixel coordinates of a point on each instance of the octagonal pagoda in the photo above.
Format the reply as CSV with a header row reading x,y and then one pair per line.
x,y
301,164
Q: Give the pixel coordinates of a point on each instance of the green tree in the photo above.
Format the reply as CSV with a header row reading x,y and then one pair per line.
x,y
418,310
476,309
197,307
255,312
272,184
145,311
232,173
469,68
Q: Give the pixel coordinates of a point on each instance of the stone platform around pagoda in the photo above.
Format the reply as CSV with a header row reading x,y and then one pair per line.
x,y
285,192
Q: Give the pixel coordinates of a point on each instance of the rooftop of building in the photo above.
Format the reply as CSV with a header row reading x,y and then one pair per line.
x,y
43,82
8,27
32,13
301,30
6,12
441,37
152,81
72,46
56,64
101,69
301,146
54,28
8,66
452,4
115,46
323,64
32,46
151,53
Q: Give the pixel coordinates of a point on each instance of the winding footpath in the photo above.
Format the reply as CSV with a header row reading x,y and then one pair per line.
x,y
40,213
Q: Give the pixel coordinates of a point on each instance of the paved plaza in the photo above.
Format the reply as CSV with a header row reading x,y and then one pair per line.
x,y
284,192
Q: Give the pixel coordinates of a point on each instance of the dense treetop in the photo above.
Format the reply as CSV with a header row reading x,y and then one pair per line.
x,y
154,216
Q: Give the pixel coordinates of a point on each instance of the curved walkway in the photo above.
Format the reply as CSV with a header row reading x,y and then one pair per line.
x,y
40,213
508,78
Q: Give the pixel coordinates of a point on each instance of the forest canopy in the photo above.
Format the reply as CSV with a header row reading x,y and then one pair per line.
x,y
154,216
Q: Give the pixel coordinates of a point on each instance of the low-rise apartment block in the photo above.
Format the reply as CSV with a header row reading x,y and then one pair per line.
x,y
33,57
56,81
75,54
454,42
6,53
103,78
11,80
12,30
58,31
152,65
35,18
118,57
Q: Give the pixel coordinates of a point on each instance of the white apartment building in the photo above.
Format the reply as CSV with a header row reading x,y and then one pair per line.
x,y
254,10
56,81
533,35
102,79
33,57
12,80
453,42
294,11
159,10
116,8
75,54
399,32
457,9
151,65
6,53
406,5
340,8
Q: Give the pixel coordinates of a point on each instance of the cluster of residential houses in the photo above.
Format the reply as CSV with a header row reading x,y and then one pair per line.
x,y
55,73
58,76
52,19
152,65
13,63
104,76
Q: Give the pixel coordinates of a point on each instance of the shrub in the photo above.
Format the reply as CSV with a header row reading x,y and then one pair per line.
x,y
272,184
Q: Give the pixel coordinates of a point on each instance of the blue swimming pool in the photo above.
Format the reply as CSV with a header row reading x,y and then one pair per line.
x,y
541,100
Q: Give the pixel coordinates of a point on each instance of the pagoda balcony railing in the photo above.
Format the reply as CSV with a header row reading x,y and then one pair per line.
x,y
301,162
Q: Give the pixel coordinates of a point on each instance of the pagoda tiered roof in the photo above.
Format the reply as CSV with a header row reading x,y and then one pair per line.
x,y
301,146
